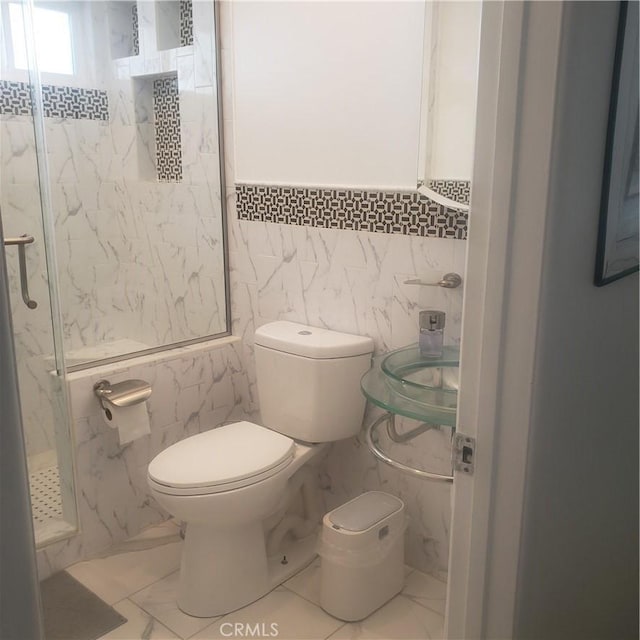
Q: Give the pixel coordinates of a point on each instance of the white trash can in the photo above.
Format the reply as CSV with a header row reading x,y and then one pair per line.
x,y
362,555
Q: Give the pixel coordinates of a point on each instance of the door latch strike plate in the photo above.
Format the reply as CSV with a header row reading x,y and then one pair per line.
x,y
464,451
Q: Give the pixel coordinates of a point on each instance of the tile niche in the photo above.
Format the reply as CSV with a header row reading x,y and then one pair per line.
x,y
157,95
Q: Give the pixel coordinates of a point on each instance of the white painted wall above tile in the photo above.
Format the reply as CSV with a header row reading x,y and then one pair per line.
x,y
328,93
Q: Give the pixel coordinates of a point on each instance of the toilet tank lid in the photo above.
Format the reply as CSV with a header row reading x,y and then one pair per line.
x,y
311,342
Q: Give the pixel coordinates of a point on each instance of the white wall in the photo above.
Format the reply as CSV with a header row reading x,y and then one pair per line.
x,y
328,93
578,575
453,96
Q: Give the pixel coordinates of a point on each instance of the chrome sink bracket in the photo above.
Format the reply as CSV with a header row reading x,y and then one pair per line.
x,y
371,437
401,438
21,242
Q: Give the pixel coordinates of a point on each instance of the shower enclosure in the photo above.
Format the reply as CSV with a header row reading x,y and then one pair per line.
x,y
35,302
110,202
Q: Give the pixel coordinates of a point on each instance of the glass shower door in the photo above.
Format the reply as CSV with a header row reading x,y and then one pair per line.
x,y
26,222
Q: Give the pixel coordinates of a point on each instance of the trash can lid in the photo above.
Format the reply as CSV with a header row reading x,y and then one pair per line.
x,y
365,511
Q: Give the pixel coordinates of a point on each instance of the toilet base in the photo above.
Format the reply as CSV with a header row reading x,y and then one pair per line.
x,y
210,556
300,554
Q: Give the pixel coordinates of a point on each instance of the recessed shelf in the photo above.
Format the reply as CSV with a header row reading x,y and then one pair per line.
x,y
124,40
174,24
404,383
157,109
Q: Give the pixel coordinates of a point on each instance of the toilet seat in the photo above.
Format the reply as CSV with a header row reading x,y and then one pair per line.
x,y
226,458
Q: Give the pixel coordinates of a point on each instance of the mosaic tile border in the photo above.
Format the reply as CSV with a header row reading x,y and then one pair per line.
x,y
186,23
57,101
166,110
458,190
15,98
408,213
135,29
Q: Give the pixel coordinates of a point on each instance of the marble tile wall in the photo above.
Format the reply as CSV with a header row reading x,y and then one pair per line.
x,y
352,281
139,262
140,259
194,389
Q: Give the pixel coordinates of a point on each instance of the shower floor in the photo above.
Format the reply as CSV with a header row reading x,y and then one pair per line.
x,y
46,502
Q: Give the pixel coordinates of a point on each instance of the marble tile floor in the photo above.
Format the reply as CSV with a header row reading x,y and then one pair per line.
x,y
140,580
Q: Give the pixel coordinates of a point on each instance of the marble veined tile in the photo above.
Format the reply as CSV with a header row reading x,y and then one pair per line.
x,y
118,576
139,624
307,583
159,600
296,619
400,619
426,590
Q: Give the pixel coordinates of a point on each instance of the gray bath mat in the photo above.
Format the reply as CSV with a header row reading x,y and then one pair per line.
x,y
72,612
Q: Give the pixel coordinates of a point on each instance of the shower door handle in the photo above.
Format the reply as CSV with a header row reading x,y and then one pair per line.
x,y
21,243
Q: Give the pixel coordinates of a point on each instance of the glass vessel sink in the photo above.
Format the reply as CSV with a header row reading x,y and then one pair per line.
x,y
405,383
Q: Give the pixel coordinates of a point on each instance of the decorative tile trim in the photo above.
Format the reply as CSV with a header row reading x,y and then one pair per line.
x,y
166,108
186,23
74,102
458,190
58,102
135,29
15,98
408,213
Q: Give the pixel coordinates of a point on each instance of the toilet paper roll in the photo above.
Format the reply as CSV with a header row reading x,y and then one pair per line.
x,y
131,422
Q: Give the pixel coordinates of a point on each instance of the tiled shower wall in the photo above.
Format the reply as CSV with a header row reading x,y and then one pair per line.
x,y
146,240
124,240
130,249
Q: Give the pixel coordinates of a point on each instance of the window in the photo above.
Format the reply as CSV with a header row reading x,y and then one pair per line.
x,y
52,33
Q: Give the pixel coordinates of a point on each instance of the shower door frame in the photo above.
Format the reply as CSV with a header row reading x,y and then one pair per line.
x,y
51,266
20,606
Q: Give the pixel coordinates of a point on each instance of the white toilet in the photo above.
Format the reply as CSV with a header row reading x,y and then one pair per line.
x,y
233,485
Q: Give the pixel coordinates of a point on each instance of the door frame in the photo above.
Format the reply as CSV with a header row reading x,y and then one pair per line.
x,y
519,59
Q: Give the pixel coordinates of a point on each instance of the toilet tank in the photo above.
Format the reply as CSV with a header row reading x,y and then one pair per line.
x,y
309,380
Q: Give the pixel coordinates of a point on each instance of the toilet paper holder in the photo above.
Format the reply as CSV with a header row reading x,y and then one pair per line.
x,y
122,394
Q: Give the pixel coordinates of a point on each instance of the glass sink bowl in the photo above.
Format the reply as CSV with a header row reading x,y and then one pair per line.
x,y
405,383
432,381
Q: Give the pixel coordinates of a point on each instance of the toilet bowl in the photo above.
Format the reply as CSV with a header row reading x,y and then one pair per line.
x,y
223,483
232,484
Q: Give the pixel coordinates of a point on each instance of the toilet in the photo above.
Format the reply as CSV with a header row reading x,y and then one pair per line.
x,y
235,485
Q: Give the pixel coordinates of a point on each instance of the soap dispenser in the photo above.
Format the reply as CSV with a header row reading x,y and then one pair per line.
x,y
431,333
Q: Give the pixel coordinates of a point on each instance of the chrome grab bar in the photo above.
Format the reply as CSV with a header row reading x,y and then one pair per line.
x,y
21,242
371,437
448,281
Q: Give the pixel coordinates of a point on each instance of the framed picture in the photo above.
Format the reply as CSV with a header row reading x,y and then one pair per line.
x,y
617,252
